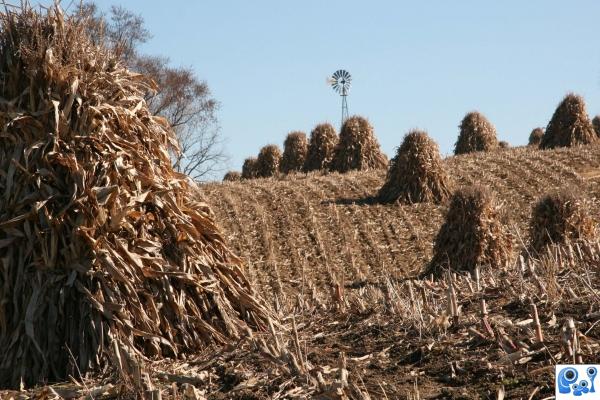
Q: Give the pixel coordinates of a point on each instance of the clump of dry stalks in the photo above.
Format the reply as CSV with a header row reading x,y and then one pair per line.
x,y
596,125
560,217
473,234
105,255
476,134
416,174
268,161
535,137
232,176
249,169
321,147
570,125
357,148
295,147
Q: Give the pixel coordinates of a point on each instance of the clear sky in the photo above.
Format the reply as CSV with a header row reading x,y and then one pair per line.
x,y
414,64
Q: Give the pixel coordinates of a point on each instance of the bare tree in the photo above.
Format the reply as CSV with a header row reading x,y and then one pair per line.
x,y
188,105
184,100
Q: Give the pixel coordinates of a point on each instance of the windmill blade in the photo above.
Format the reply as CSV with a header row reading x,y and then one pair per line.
x,y
340,81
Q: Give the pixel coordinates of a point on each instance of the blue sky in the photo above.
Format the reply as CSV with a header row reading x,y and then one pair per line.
x,y
414,64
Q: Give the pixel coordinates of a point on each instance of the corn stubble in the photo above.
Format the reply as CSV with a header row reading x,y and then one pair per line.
x,y
103,251
416,174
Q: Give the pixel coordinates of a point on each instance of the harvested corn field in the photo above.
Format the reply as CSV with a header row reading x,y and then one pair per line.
x,y
134,266
328,228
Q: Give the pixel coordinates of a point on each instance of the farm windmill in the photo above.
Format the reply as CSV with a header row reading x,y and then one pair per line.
x,y
340,82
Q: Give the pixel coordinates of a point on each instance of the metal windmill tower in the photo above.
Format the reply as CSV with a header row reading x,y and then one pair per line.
x,y
340,82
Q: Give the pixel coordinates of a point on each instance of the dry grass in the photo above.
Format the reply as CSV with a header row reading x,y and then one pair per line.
x,y
473,234
295,148
561,217
476,134
321,147
416,174
503,144
268,161
535,137
570,125
106,258
357,148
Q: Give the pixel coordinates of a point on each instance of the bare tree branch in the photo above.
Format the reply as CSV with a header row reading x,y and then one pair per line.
x,y
183,99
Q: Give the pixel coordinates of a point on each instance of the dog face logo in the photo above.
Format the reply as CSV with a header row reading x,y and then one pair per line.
x,y
575,381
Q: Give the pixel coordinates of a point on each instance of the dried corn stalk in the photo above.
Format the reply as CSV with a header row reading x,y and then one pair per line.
x,y
357,147
100,244
416,174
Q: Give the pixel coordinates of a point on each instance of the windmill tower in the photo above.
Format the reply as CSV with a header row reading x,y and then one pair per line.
x,y
340,82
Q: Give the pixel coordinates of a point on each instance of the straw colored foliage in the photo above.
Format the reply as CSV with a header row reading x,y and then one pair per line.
x,y
560,217
596,125
294,152
476,134
268,161
570,125
416,174
321,147
535,137
232,176
249,170
473,234
358,148
103,252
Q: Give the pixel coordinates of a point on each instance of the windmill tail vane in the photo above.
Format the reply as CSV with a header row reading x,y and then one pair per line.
x,y
340,82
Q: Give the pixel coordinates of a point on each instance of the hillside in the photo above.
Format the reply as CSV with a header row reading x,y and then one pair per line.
x,y
319,230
